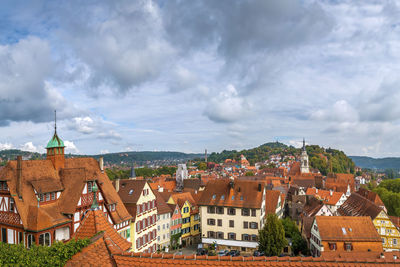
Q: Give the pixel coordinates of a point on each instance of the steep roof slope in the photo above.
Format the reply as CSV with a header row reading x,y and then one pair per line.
x,y
357,205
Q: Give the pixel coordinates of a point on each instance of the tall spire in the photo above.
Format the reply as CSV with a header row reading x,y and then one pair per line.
x,y
304,144
55,121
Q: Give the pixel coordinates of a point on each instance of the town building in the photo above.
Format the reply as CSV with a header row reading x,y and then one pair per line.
x,y
341,233
176,225
357,205
140,201
232,213
190,228
333,200
43,201
164,214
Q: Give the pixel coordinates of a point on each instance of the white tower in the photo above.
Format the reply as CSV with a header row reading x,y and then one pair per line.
x,y
181,174
304,168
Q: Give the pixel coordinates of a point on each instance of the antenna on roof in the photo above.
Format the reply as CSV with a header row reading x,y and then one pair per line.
x,y
55,121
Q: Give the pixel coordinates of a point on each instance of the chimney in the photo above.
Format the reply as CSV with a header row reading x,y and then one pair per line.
x,y
259,187
316,190
331,192
117,185
19,176
101,164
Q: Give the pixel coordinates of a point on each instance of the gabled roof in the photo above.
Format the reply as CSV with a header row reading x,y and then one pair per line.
x,y
327,197
372,196
41,174
346,228
357,205
312,206
243,194
395,220
130,190
162,206
95,221
181,198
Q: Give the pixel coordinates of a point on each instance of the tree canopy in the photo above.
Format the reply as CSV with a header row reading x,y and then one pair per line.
x,y
389,192
291,231
272,237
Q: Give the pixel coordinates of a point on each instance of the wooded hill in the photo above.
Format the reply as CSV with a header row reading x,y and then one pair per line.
x,y
325,160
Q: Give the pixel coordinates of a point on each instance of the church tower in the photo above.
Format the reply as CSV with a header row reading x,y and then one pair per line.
x,y
304,168
55,148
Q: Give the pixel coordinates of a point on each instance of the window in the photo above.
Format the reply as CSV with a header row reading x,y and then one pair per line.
x,y
253,212
220,210
245,237
44,239
348,246
214,196
231,223
12,205
254,238
219,222
186,210
254,225
4,235
383,240
245,225
196,227
53,195
245,212
222,197
211,234
211,209
394,241
31,240
89,187
130,192
231,211
231,236
243,249
233,197
41,197
20,238
47,196
332,246
220,235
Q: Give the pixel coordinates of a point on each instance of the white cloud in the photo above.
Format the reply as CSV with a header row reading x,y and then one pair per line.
x,y
227,106
104,151
85,125
6,146
70,147
29,146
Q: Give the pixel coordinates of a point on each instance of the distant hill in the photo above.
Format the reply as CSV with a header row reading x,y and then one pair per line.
x,y
141,157
323,159
373,163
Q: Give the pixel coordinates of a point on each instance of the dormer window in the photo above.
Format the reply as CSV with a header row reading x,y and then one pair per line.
x,y
214,196
53,195
130,192
111,207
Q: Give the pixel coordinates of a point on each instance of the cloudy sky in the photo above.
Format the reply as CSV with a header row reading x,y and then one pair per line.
x,y
189,75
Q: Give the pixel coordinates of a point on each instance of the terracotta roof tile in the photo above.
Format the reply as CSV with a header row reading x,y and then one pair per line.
x,y
357,205
243,194
271,201
355,228
95,221
327,197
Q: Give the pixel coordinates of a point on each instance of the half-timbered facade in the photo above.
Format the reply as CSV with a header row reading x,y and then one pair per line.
x,y
42,201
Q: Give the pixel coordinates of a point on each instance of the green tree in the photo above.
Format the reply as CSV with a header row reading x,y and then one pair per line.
x,y
202,166
272,237
249,173
298,242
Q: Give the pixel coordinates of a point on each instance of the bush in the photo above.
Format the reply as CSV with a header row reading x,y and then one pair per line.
x,y
56,255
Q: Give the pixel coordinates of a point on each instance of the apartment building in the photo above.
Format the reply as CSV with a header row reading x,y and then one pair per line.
x,y
232,212
140,201
164,215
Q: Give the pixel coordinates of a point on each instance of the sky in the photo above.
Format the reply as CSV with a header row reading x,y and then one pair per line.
x,y
194,75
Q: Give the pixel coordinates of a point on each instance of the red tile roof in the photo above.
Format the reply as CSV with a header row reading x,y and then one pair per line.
x,y
42,175
243,194
328,197
357,205
271,201
355,229
95,221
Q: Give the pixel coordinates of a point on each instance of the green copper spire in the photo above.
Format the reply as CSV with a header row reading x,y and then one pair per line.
x,y
55,141
95,205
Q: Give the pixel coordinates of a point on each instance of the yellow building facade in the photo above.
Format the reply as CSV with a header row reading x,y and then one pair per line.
x,y
387,230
